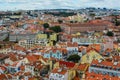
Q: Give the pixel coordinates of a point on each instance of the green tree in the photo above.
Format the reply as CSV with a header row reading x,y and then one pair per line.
x,y
74,58
71,21
115,20
92,15
46,25
110,33
60,21
0,46
56,29
118,40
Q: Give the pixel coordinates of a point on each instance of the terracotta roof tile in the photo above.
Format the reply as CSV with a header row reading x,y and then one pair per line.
x,y
76,78
13,57
67,64
3,76
22,68
27,73
96,47
59,72
94,76
17,47
31,58
82,67
105,63
70,44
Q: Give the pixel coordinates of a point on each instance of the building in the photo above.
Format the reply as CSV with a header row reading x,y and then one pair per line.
x,y
17,37
3,35
91,55
97,25
55,53
87,40
58,74
111,68
108,43
68,66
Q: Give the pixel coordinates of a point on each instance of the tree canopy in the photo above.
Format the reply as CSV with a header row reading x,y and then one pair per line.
x,y
115,19
60,21
46,25
74,58
62,14
56,29
110,33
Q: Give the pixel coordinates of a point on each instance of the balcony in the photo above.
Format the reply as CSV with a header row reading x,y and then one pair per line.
x,y
104,70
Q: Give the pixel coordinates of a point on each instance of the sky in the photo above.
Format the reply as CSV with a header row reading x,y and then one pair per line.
x,y
56,4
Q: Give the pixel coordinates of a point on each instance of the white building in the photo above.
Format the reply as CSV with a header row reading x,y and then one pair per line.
x,y
58,74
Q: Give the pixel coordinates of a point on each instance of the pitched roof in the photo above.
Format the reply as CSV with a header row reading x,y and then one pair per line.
x,y
13,57
67,64
70,44
3,68
17,47
31,58
108,50
57,70
106,63
94,76
14,64
95,47
33,78
22,68
3,76
82,67
76,78
3,56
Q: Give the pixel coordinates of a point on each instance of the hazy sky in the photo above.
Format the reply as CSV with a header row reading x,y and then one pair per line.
x,y
56,4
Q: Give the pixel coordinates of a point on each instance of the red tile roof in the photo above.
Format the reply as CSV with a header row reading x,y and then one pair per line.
x,y
67,64
94,76
82,67
3,68
70,44
17,47
31,58
116,58
22,68
105,63
13,57
95,47
5,76
27,73
76,78
56,70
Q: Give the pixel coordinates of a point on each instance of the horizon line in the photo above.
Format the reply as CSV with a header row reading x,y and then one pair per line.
x,y
60,8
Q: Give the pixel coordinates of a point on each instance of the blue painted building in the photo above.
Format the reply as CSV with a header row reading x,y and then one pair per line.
x,y
53,53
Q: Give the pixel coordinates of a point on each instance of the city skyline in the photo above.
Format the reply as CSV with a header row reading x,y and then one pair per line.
x,y
56,4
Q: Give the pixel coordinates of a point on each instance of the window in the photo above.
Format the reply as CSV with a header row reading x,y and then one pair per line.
x,y
57,54
51,79
60,56
60,76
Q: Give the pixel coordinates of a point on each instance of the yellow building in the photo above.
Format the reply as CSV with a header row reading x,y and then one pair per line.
x,y
89,56
71,71
78,18
5,50
81,70
41,36
44,36
53,37
50,43
71,74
